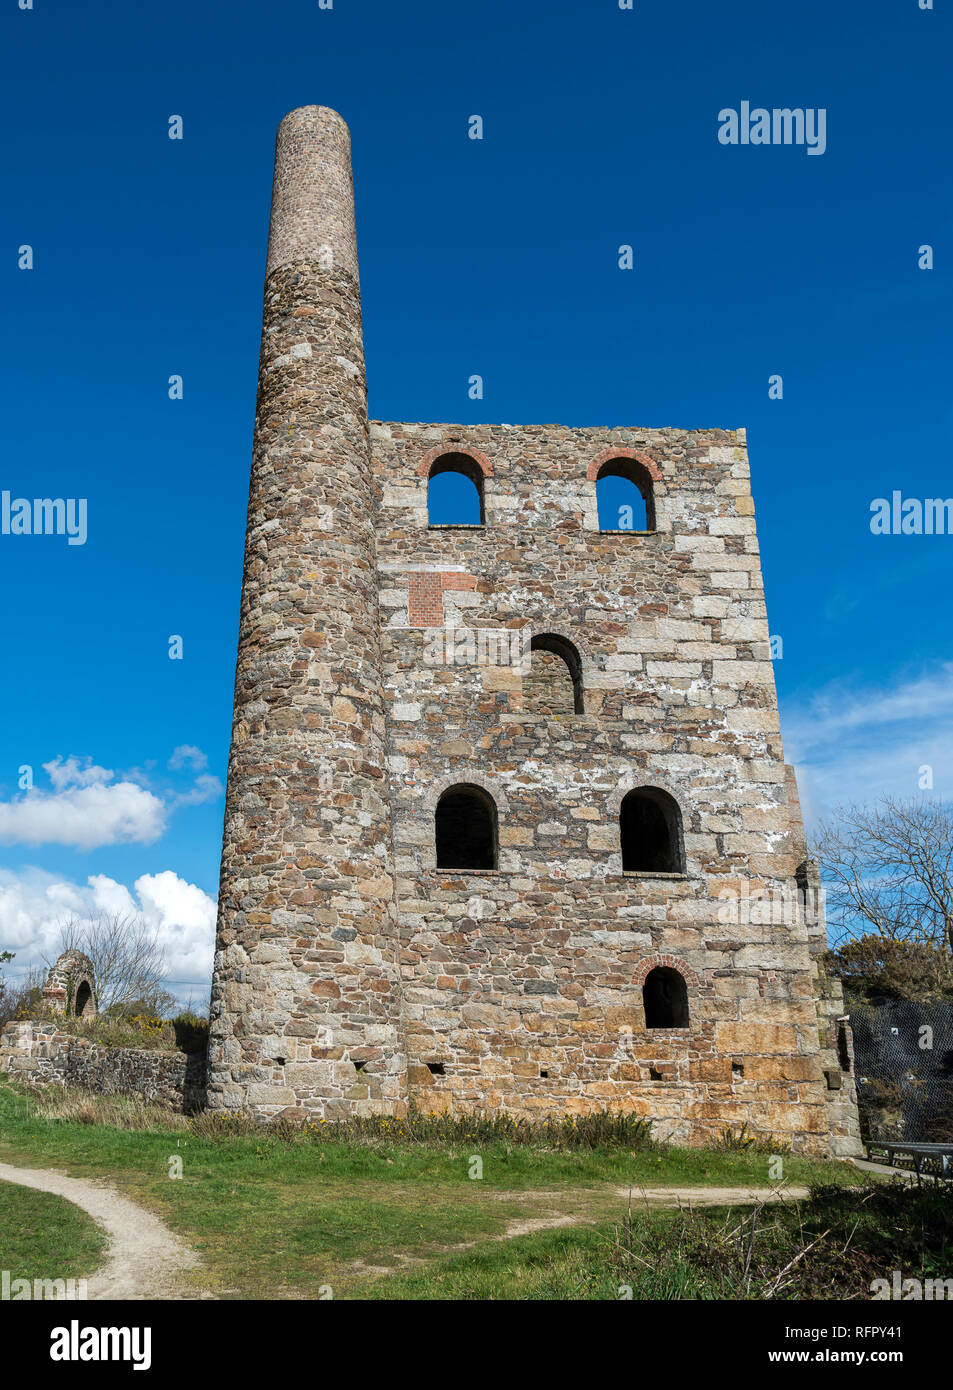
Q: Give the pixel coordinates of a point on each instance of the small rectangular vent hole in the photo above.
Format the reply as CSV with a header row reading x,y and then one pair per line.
x,y
435,1068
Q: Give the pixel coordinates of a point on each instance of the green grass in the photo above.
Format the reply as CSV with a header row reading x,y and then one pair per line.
x,y
832,1246
46,1237
563,1265
278,1218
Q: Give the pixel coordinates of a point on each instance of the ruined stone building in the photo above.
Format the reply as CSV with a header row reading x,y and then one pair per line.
x,y
70,987
506,797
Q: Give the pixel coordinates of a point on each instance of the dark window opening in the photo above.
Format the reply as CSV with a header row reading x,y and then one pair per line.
x,y
553,684
435,1068
654,1074
455,492
84,999
624,496
466,829
650,829
737,1071
665,997
544,1073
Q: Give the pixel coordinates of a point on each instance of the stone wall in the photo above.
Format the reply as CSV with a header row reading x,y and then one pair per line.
x,y
522,986
43,1053
352,975
307,938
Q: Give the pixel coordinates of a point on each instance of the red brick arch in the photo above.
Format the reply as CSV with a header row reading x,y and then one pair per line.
x,y
650,963
607,455
430,458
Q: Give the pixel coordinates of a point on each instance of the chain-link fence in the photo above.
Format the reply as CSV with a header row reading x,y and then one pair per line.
x,y
904,1067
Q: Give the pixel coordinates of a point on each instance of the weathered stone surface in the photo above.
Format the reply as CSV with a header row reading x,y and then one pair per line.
x,y
523,982
44,1054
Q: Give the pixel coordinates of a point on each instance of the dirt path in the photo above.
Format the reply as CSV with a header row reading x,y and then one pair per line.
x,y
143,1258
712,1196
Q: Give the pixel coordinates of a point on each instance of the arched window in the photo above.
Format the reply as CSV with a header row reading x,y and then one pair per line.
x,y
624,496
665,999
455,492
650,825
466,829
553,684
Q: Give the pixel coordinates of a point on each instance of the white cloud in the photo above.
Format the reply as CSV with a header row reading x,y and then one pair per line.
x,y
185,917
88,809
187,755
35,904
76,772
205,788
111,897
86,816
853,742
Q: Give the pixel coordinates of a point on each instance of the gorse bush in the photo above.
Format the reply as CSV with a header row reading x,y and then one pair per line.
x,y
124,1030
187,1032
742,1141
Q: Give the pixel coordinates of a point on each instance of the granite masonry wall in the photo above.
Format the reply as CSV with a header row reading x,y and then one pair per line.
x,y
522,985
306,976
42,1054
354,976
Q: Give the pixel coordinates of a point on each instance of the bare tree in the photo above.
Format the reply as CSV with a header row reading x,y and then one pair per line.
x,y
888,869
128,963
19,999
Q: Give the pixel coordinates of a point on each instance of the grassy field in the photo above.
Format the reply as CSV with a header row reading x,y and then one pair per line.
x,y
46,1237
831,1247
379,1218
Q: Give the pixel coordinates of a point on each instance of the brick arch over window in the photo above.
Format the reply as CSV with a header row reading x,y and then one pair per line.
x,y
650,963
625,490
636,455
451,450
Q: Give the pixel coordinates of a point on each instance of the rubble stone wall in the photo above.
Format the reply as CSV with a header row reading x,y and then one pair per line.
x,y
43,1053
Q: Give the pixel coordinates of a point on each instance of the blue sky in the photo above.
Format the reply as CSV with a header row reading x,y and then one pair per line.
x,y
497,257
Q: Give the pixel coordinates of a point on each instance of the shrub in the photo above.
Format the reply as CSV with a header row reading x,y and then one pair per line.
x,y
185,1033
832,1246
876,968
742,1141
599,1131
191,1032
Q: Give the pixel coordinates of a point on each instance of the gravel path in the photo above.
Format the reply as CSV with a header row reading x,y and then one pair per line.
x,y
143,1258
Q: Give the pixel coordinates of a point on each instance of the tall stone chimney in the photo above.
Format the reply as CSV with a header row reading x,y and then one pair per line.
x,y
305,1016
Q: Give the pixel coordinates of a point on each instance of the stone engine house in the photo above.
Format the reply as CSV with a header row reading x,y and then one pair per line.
x,y
508,822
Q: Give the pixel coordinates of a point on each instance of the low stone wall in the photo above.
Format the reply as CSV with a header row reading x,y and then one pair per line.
x,y
44,1053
